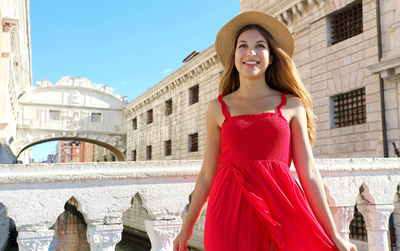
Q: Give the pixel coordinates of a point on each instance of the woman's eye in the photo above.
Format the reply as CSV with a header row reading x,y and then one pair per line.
x,y
261,45
241,46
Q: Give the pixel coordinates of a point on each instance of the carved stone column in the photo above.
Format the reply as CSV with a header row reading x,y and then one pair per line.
x,y
104,237
377,221
38,240
162,233
343,217
396,221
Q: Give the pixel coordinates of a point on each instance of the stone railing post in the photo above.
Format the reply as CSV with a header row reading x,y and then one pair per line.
x,y
162,232
343,217
38,240
377,221
104,237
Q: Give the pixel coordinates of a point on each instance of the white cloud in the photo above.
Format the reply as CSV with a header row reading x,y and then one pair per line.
x,y
166,71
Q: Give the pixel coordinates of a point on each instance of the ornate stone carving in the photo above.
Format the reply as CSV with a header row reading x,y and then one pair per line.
x,y
376,219
162,233
35,240
343,217
104,237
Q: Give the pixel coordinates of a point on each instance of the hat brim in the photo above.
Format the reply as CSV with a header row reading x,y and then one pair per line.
x,y
227,35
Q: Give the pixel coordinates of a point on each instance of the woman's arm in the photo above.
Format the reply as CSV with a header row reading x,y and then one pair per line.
x,y
205,178
309,175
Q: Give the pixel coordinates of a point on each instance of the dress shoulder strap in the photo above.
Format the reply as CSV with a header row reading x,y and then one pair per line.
x,y
224,107
283,102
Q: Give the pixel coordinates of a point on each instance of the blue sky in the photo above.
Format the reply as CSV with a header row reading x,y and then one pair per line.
x,y
128,45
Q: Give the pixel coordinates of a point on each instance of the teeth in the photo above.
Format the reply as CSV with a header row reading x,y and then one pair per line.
x,y
251,62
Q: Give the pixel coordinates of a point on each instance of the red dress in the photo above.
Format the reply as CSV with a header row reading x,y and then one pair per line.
x,y
255,200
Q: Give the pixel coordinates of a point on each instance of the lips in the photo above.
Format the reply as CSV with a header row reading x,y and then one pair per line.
x,y
251,62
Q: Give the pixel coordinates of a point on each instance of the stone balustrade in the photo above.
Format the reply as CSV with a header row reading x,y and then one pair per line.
x,y
34,196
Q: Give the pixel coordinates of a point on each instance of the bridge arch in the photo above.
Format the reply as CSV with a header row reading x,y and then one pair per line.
x,y
72,109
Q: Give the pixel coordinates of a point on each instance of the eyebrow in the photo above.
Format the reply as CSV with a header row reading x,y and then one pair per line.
x,y
243,41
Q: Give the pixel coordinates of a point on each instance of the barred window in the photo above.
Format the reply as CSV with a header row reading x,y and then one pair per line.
x,y
167,148
349,108
113,157
193,94
54,115
150,116
134,123
345,23
168,107
193,142
95,117
358,230
148,152
133,156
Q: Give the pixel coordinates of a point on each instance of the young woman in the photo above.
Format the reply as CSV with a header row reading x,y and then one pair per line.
x,y
261,120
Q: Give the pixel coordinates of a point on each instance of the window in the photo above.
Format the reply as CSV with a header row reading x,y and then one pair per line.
x,y
167,148
193,94
134,123
345,23
349,108
148,152
95,117
193,142
133,156
54,115
150,116
113,157
358,230
168,107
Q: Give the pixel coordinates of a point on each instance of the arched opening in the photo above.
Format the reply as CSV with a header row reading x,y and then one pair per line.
x,y
70,229
8,232
134,233
66,150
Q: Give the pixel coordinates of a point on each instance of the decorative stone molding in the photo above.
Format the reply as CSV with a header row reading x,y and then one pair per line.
x,y
343,217
35,241
389,68
194,68
104,237
297,9
377,220
162,233
9,24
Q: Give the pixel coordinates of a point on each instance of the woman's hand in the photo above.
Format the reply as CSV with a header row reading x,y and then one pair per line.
x,y
344,245
181,240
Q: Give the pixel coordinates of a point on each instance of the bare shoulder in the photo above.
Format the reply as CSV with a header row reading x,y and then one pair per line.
x,y
294,106
214,112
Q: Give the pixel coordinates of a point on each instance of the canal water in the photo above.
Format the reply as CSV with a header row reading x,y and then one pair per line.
x,y
70,235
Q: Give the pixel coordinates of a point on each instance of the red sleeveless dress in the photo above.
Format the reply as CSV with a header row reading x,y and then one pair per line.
x,y
255,201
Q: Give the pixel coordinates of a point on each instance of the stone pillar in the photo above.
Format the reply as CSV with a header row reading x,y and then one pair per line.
x,y
104,237
162,233
343,217
377,221
38,240
396,221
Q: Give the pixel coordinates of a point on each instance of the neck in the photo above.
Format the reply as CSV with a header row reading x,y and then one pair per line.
x,y
254,88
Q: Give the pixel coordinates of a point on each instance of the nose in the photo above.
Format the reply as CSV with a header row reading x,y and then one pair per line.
x,y
251,52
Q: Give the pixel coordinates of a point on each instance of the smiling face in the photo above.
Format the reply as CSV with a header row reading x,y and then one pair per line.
x,y
252,55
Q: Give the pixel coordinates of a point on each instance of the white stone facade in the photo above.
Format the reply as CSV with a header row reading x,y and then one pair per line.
x,y
71,109
15,71
104,191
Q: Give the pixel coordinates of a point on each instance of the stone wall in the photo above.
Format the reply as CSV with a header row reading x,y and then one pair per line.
x,y
4,227
333,69
203,70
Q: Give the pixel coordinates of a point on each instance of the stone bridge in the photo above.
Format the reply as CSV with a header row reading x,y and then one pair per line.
x,y
72,109
34,196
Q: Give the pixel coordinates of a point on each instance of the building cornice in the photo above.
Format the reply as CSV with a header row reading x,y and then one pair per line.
x,y
201,63
287,11
389,68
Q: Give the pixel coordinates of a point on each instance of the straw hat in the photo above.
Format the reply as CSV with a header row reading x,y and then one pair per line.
x,y
227,35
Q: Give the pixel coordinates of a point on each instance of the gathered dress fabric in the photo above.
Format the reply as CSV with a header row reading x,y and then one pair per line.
x,y
255,202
